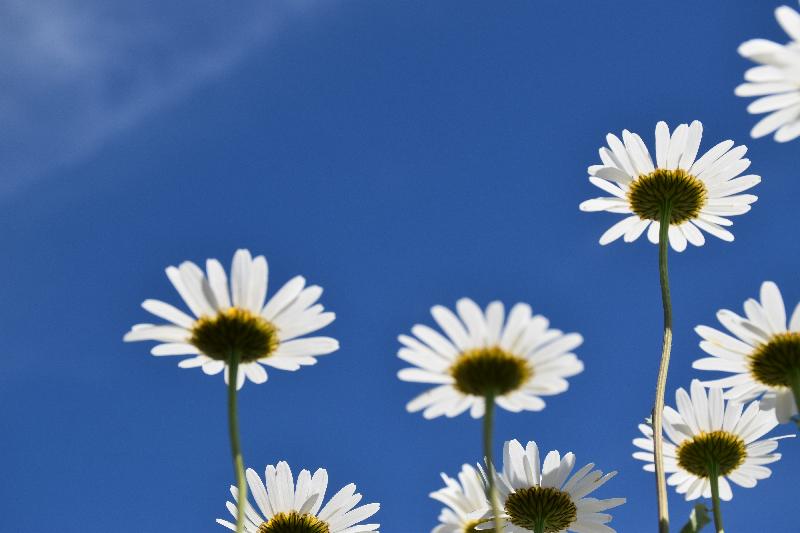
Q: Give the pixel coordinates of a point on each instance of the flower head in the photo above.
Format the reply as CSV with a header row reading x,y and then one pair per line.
x,y
234,319
465,500
776,80
284,507
531,492
699,193
707,436
515,360
763,354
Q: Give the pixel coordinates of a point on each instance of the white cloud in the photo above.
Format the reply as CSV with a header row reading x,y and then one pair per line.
x,y
75,73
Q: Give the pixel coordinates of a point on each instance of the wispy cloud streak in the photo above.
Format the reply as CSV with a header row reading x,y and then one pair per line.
x,y
76,73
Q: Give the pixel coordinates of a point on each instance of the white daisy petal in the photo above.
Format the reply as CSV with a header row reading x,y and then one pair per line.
x,y
662,144
788,132
169,313
619,229
218,281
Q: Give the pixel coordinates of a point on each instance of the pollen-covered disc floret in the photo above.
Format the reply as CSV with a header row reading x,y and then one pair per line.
x,y
776,80
533,493
233,318
761,351
465,501
700,193
286,507
706,435
516,359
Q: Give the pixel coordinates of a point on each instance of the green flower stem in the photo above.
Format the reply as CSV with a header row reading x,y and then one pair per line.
x,y
661,383
488,418
795,380
714,479
539,526
236,449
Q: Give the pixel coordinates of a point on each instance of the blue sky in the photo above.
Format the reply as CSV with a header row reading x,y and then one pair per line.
x,y
398,154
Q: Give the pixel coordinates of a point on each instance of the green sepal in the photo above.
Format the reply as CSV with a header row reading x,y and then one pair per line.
x,y
698,519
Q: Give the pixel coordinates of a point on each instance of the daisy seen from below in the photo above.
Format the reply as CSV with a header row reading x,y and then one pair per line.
x,y
233,331
545,498
672,199
711,442
288,507
776,80
233,319
485,358
465,501
760,350
677,189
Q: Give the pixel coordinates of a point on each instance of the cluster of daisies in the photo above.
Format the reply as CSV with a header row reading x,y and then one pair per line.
x,y
478,358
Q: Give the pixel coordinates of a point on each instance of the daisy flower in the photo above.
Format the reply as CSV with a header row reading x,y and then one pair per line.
x,y
699,193
514,360
465,500
763,354
706,436
547,497
776,80
284,506
233,318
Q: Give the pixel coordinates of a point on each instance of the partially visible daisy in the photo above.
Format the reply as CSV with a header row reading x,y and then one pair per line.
x,y
465,500
700,193
763,355
776,80
286,507
545,495
233,318
515,360
707,436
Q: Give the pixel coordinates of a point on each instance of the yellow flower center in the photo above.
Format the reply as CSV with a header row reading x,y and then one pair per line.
x,y
650,194
721,448
235,330
294,522
545,507
776,362
492,370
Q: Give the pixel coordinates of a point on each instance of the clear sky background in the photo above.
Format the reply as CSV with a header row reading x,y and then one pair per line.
x,y
400,155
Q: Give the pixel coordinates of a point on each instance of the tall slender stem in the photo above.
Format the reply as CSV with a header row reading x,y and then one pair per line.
x,y
661,383
796,391
714,479
236,449
539,526
488,419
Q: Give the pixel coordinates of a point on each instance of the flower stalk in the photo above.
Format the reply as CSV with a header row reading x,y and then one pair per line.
x,y
661,383
488,422
236,449
714,479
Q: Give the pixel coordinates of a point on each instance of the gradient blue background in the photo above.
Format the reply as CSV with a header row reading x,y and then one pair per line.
x,y
400,155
